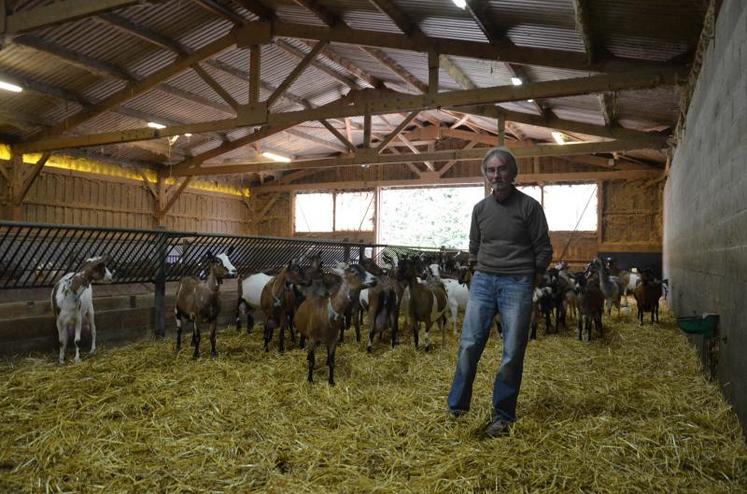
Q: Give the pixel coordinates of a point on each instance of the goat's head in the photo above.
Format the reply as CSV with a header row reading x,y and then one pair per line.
x,y
354,275
96,268
370,266
226,262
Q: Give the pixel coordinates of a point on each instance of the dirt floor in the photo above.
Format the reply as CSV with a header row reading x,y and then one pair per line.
x,y
630,412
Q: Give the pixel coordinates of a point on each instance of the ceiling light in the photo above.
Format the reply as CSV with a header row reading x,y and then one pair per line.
x,y
530,101
558,136
276,157
187,135
10,87
460,3
156,125
516,81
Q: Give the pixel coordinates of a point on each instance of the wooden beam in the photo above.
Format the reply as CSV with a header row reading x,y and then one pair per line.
x,y
378,102
148,186
260,216
390,137
367,130
607,104
295,52
372,157
59,12
396,69
445,46
297,70
138,87
451,163
215,86
583,27
349,145
257,135
521,179
255,61
28,181
174,196
221,11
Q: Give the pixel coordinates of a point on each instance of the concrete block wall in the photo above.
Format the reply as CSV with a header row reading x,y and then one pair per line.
x,y
705,217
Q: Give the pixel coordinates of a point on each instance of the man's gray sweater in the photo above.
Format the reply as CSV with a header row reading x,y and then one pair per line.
x,y
510,237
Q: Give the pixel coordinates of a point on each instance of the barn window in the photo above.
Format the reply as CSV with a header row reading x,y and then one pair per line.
x,y
431,216
333,211
571,207
314,212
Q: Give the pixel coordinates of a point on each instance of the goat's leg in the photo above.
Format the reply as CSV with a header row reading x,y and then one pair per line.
x,y
178,318
414,327
196,339
269,326
394,324
281,333
239,308
348,320
62,335
92,325
213,352
580,325
292,327
428,324
249,321
78,326
311,360
371,329
331,362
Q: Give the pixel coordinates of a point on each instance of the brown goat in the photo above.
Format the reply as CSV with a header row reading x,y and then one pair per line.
x,y
278,302
427,301
320,317
382,303
200,300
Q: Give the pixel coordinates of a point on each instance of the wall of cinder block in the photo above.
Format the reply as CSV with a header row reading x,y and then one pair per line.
x,y
705,220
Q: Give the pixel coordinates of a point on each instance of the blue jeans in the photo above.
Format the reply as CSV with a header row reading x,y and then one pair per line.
x,y
511,295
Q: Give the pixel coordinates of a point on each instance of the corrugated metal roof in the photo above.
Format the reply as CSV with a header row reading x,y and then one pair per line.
x,y
634,29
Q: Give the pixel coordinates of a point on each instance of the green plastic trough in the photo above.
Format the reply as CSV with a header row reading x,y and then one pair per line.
x,y
703,325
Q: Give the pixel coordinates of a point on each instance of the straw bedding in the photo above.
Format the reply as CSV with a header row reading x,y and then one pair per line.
x,y
628,413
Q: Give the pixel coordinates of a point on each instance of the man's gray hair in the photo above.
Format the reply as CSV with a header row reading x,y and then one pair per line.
x,y
504,154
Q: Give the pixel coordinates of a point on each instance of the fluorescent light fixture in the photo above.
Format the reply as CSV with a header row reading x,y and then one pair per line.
x,y
156,125
460,3
187,135
516,81
530,101
558,136
276,157
10,87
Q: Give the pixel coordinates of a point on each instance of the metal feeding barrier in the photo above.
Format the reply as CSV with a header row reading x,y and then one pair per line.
x,y
36,255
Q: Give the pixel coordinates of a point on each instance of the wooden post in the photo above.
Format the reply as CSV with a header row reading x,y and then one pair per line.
x,y
433,61
254,68
15,210
501,130
367,130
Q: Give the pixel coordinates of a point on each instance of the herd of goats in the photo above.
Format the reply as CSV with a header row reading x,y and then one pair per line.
x,y
320,303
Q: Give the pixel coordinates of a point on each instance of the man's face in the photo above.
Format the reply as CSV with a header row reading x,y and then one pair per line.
x,y
499,174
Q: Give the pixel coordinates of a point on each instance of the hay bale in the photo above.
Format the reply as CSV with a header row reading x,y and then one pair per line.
x,y
628,413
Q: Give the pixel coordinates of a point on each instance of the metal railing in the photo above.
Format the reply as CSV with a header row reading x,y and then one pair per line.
x,y
37,255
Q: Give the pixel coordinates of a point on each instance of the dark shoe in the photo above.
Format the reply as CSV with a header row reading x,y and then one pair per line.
x,y
455,414
498,427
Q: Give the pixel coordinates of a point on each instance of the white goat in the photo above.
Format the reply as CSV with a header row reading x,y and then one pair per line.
x,y
457,294
72,301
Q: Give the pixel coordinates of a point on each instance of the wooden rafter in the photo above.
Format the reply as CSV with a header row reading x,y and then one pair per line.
x,y
377,102
434,179
346,141
607,104
297,70
28,181
372,157
220,10
138,87
396,132
174,196
215,86
317,140
59,12
583,26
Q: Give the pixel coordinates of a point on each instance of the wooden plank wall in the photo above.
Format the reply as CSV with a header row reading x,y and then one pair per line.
x,y
64,197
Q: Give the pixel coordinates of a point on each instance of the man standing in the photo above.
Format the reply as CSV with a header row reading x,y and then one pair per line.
x,y
510,246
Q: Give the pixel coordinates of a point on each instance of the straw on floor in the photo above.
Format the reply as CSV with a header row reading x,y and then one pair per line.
x,y
628,413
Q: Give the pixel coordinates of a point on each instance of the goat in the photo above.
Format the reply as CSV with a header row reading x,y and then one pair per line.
x,y
457,294
590,305
381,303
72,302
320,316
427,301
200,300
647,295
608,285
